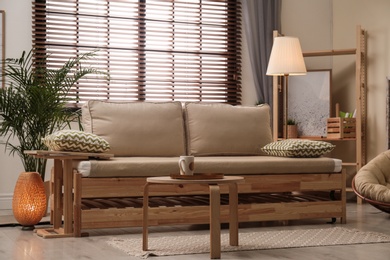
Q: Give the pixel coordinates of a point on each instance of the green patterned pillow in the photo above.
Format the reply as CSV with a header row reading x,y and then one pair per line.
x,y
76,141
298,148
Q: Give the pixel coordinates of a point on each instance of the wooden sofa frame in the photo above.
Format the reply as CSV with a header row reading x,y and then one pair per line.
x,y
117,202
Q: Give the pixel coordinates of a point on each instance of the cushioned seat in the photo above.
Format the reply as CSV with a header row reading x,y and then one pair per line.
x,y
372,182
242,165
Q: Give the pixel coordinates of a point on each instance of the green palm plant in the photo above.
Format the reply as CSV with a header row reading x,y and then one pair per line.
x,y
34,103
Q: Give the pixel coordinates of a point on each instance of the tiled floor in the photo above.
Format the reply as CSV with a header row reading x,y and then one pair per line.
x,y
19,245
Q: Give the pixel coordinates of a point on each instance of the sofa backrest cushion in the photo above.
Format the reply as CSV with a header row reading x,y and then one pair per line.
x,y
137,128
221,129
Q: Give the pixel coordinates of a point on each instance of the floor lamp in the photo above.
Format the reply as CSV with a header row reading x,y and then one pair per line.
x,y
286,60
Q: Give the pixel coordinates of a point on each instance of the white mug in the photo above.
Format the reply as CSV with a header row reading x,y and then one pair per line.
x,y
186,165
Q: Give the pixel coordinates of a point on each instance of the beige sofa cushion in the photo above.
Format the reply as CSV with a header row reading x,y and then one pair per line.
x,y
137,128
221,129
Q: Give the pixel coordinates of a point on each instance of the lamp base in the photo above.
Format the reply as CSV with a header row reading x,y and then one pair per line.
x,y
29,201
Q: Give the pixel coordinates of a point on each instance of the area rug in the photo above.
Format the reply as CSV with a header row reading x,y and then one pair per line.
x,y
261,240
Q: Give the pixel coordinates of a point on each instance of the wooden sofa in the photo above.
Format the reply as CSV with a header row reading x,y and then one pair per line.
x,y
148,138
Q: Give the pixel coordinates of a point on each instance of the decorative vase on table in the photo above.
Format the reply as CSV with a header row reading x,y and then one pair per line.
x,y
29,202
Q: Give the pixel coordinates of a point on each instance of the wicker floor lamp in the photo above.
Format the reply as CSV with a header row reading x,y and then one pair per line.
x,y
29,201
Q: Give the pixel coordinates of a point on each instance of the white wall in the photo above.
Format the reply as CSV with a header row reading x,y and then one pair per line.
x,y
18,38
18,26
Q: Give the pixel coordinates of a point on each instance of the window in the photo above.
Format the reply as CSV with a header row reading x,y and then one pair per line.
x,y
185,50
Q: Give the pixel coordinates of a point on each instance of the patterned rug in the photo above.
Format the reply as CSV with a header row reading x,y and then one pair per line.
x,y
200,243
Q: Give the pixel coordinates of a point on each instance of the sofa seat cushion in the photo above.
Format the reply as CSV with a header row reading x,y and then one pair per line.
x,y
229,165
128,167
265,164
137,128
221,129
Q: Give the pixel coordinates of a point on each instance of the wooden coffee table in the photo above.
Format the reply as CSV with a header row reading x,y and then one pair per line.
x,y
215,225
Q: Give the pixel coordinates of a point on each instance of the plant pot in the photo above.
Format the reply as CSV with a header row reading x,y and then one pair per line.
x,y
29,201
292,131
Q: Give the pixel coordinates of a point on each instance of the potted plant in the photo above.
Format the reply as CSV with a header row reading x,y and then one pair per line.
x,y
292,129
34,104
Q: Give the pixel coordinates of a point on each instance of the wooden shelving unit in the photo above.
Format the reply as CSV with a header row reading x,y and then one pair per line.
x,y
360,89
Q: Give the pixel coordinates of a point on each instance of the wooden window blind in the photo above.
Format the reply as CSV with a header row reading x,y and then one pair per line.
x,y
185,50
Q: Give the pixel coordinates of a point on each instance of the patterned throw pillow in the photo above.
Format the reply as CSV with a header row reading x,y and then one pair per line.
x,y
76,141
298,148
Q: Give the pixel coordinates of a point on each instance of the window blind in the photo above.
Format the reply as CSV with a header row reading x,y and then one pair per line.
x,y
186,50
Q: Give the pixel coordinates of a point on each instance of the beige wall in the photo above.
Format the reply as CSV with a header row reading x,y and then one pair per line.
x,y
311,22
374,17
331,24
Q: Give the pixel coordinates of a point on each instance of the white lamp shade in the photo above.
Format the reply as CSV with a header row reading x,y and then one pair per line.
x,y
286,57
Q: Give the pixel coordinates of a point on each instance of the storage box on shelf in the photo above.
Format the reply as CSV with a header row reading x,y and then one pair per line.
x,y
340,128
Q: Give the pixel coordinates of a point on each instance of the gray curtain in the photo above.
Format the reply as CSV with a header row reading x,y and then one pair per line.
x,y
261,17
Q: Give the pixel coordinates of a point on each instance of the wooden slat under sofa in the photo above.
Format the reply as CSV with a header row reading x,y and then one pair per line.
x,y
276,201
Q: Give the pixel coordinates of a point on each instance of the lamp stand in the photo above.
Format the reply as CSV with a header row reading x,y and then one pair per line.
x,y
285,101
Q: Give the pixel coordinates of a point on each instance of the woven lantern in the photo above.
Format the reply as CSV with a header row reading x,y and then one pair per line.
x,y
29,200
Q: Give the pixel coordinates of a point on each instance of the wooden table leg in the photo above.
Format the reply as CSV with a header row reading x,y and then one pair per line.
x,y
145,209
63,201
233,212
68,197
57,194
77,205
215,222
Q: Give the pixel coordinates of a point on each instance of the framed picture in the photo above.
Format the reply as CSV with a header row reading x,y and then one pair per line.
x,y
309,102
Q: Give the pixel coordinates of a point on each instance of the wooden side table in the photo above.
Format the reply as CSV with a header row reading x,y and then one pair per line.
x,y
215,228
63,178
